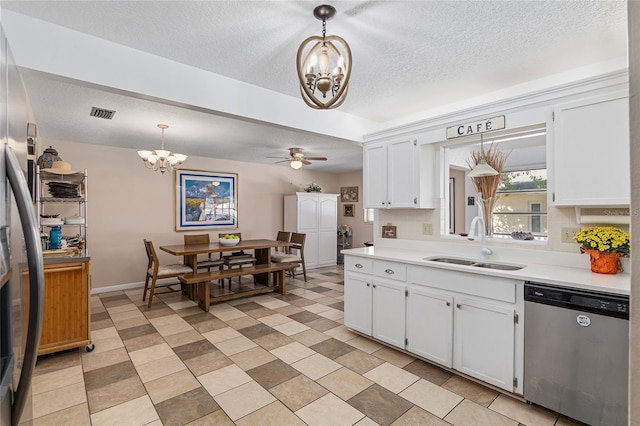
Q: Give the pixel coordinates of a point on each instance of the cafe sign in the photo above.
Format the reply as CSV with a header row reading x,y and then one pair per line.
x,y
476,127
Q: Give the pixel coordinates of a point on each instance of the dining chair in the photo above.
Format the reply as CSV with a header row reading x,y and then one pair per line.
x,y
208,262
297,243
237,258
155,272
285,237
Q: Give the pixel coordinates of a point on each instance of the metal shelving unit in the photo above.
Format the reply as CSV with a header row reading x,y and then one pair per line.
x,y
64,206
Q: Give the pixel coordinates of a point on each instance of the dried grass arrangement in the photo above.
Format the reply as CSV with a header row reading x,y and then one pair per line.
x,y
487,186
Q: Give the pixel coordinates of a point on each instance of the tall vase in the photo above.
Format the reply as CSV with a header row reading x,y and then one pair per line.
x,y
485,211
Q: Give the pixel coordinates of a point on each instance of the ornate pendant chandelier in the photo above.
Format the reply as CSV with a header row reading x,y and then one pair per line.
x,y
161,159
320,88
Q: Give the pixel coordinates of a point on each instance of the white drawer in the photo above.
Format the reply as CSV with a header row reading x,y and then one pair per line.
x,y
390,270
358,264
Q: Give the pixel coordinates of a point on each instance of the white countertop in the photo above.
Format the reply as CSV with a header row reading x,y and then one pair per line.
x,y
572,277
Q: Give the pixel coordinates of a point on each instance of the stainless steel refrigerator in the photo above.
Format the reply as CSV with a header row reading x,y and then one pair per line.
x,y
21,265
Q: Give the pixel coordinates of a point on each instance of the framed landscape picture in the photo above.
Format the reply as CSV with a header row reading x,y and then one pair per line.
x,y
205,200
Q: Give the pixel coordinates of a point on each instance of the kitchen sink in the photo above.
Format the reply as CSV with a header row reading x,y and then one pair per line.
x,y
475,263
453,260
500,266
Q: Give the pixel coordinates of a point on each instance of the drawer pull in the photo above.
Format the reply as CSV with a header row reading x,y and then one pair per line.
x,y
389,271
358,265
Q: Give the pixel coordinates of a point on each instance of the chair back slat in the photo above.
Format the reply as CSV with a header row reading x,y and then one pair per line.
x,y
196,239
298,240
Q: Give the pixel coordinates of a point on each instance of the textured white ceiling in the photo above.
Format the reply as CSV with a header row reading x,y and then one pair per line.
x,y
408,57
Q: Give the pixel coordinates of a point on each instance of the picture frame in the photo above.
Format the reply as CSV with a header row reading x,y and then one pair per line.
x,y
205,200
388,231
348,194
348,210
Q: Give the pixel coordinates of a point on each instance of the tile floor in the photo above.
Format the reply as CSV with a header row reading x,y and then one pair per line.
x,y
265,360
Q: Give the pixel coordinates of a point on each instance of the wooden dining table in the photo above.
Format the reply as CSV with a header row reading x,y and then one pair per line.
x,y
261,247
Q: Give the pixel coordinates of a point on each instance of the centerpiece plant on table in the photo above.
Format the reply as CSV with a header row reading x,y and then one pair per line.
x,y
605,245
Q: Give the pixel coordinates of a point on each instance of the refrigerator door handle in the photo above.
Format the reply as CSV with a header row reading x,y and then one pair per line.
x,y
36,278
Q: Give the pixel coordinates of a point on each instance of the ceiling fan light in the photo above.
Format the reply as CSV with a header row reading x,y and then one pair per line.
x,y
296,164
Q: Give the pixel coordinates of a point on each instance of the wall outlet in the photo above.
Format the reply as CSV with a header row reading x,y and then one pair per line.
x,y
427,229
567,235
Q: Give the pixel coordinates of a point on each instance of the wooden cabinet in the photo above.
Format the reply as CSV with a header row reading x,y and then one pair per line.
x,y
591,136
66,321
316,215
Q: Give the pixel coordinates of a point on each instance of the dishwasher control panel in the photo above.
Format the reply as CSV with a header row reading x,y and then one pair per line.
x,y
579,300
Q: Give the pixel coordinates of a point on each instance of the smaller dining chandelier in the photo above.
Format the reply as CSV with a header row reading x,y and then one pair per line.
x,y
321,89
161,159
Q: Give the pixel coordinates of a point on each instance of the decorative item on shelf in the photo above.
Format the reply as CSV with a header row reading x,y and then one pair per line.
x,y
344,230
162,159
48,157
526,236
315,57
605,245
486,182
313,187
60,168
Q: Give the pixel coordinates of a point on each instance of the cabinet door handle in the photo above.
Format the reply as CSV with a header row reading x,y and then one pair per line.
x,y
383,203
374,286
368,284
449,304
458,306
389,271
358,265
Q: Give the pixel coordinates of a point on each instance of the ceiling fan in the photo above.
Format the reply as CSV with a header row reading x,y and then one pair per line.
x,y
297,158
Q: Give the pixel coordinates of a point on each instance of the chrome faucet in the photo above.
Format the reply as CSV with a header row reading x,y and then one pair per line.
x,y
477,221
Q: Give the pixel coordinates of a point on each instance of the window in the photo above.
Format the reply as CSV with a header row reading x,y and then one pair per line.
x,y
522,194
522,203
368,215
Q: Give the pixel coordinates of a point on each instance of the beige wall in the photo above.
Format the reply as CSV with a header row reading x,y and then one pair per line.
x,y
361,231
128,203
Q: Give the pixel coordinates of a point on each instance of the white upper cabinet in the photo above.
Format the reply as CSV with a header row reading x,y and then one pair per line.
x,y
591,151
392,175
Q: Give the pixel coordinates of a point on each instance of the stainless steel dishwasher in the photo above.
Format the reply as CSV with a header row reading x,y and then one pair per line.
x,y
576,353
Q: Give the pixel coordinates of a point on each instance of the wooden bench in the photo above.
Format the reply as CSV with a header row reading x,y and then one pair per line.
x,y
202,280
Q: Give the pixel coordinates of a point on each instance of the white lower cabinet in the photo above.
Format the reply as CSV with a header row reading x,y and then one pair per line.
x,y
430,324
484,341
459,320
388,313
357,302
375,301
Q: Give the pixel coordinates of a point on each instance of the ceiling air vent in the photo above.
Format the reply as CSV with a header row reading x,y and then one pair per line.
x,y
102,113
